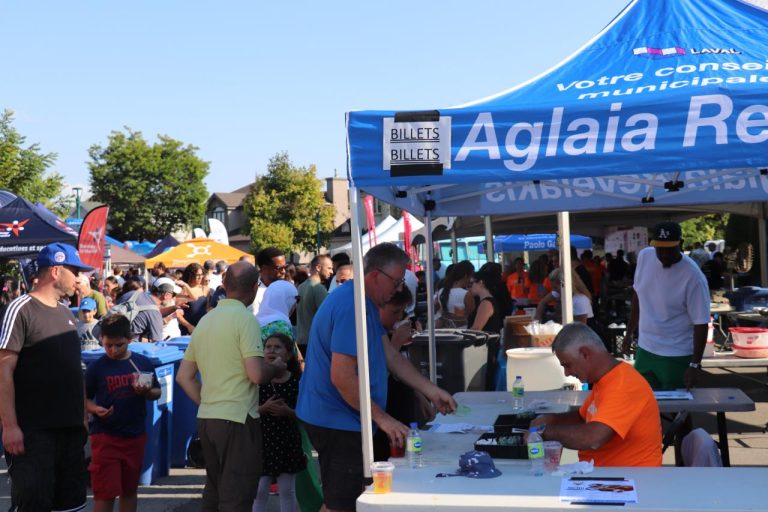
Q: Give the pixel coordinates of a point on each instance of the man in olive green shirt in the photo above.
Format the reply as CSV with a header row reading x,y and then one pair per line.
x,y
226,349
86,292
312,293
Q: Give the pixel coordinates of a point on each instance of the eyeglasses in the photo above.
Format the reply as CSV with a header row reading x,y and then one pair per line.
x,y
397,282
280,268
199,275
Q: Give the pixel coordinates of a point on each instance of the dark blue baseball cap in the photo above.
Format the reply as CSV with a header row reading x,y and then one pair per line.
x,y
477,464
59,254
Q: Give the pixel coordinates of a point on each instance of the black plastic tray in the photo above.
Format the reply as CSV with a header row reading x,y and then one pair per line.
x,y
503,452
506,422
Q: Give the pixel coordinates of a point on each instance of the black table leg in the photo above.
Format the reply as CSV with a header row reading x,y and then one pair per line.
x,y
722,432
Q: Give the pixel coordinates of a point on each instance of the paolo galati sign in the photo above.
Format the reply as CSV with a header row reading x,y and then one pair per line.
x,y
664,105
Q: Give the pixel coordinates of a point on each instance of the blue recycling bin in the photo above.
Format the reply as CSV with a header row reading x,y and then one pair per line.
x,y
184,414
159,420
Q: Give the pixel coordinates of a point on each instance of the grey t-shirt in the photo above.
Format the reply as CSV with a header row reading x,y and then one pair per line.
x,y
148,323
311,294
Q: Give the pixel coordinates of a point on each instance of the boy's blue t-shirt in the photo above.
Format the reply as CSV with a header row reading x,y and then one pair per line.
x,y
109,382
333,330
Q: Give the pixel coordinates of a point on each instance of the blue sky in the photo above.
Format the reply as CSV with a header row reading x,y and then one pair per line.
x,y
243,80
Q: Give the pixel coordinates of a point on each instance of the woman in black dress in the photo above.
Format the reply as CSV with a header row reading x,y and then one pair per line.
x,y
281,442
488,316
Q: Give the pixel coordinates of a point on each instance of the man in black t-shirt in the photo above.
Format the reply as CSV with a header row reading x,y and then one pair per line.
x,y
42,404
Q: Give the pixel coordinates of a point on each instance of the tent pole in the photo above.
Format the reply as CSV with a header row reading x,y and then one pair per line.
x,y
366,427
454,246
762,245
430,302
566,295
488,238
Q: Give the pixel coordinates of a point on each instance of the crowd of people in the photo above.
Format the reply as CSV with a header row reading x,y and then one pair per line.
x,y
275,350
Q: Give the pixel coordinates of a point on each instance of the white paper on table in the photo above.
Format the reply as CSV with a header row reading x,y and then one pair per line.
x,y
461,428
677,394
595,490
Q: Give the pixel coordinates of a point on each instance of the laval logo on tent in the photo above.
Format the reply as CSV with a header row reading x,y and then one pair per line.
x,y
12,227
676,51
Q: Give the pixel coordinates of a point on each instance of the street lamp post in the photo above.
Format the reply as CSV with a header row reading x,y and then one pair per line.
x,y
77,200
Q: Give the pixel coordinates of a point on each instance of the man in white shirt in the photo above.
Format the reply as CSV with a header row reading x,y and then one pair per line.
x,y
671,307
271,268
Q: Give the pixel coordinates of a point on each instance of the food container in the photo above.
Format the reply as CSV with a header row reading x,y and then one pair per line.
x,y
498,451
750,342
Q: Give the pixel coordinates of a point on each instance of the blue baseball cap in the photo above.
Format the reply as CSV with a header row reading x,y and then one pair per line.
x,y
59,254
476,464
87,304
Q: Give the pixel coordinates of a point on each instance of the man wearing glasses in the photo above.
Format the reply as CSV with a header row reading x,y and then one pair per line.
x,y
328,392
42,403
272,267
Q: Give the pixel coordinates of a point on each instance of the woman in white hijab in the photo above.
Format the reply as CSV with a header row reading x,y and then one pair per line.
x,y
276,308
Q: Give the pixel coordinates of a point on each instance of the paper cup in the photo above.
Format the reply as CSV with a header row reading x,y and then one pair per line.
x,y
143,379
552,452
382,477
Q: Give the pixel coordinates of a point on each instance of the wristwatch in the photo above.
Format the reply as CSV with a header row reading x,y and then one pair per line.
x,y
695,365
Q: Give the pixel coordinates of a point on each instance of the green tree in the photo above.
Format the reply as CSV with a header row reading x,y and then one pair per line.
x,y
23,168
706,227
286,208
152,190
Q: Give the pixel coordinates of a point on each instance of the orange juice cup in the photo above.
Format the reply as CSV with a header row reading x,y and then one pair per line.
x,y
382,477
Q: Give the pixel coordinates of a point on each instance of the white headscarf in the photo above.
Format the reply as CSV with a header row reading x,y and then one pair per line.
x,y
277,303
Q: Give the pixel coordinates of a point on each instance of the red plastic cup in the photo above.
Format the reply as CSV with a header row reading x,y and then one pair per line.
x,y
397,451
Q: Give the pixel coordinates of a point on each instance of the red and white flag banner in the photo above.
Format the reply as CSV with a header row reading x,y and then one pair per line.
x,y
90,242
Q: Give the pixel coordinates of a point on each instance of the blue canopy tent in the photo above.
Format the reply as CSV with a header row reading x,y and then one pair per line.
x,y
665,107
536,242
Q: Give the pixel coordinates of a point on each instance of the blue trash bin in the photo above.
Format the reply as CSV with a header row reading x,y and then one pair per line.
x,y
184,414
159,422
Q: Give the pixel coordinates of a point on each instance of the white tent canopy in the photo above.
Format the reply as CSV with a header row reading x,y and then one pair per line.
x,y
394,233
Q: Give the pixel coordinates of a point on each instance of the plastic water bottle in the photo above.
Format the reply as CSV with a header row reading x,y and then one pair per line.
x,y
518,393
413,446
536,451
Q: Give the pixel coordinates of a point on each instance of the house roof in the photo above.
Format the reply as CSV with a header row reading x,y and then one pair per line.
x,y
245,189
230,199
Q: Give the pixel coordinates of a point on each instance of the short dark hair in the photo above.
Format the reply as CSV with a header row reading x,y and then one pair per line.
x,y
208,264
116,326
341,258
316,260
402,297
384,255
265,255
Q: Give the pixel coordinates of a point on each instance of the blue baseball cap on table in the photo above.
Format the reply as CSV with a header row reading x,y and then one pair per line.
x,y
59,254
476,464
87,304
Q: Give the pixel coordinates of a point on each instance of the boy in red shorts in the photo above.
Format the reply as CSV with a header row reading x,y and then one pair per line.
x,y
116,393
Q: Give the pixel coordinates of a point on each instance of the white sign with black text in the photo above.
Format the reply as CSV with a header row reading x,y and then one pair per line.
x,y
414,143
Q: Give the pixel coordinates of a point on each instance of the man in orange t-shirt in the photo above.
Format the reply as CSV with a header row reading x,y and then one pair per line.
x,y
618,424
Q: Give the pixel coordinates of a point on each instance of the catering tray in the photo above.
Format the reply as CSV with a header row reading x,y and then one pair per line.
x,y
518,451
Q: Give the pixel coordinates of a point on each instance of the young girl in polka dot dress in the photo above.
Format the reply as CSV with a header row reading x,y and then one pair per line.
x,y
281,444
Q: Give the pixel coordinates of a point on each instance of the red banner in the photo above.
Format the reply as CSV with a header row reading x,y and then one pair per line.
x,y
371,220
407,238
90,242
